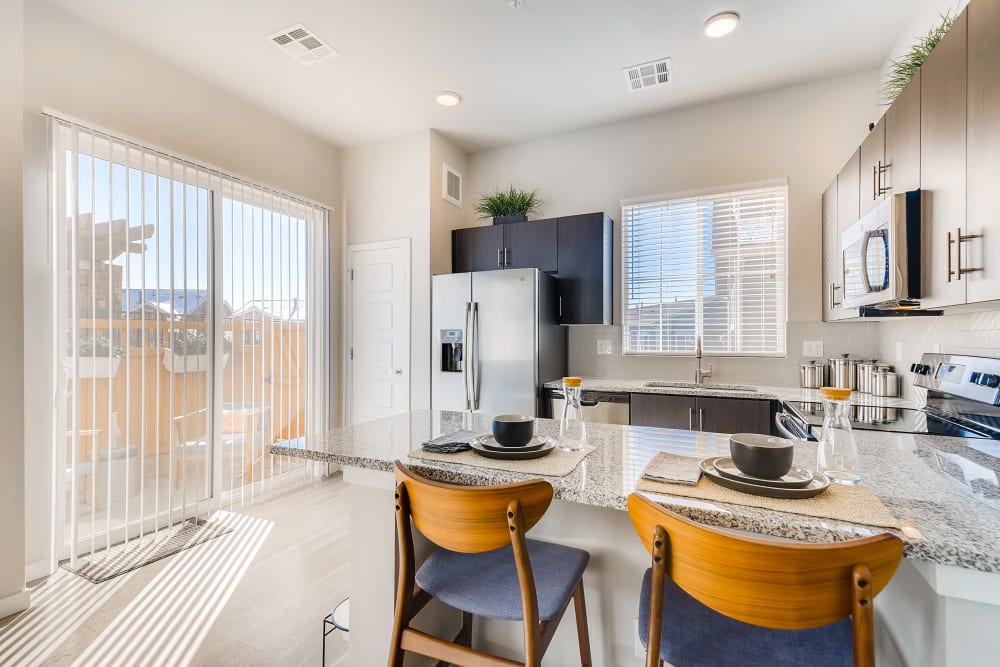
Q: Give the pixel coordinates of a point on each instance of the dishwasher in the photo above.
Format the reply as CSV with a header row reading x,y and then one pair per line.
x,y
599,407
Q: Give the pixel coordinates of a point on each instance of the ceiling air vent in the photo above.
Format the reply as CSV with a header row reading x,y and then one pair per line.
x,y
647,75
300,43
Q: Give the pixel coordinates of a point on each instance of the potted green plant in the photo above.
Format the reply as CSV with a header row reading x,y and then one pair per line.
x,y
95,358
510,205
188,352
902,69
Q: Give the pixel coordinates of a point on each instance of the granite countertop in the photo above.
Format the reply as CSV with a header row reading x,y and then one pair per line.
x,y
944,490
761,392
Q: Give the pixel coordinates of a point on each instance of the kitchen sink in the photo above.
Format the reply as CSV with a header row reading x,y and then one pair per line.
x,y
714,386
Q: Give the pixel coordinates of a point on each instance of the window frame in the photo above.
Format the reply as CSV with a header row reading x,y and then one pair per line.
x,y
625,279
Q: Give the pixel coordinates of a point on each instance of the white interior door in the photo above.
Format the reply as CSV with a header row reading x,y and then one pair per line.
x,y
380,330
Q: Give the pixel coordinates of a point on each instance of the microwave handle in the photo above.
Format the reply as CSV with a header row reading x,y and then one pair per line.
x,y
864,262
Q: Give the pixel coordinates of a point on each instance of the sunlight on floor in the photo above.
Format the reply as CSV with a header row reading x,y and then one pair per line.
x,y
59,607
167,622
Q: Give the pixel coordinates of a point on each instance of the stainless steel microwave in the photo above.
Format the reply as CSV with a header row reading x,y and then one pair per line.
x,y
881,255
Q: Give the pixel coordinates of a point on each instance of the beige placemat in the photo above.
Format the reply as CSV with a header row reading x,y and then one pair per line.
x,y
855,504
557,464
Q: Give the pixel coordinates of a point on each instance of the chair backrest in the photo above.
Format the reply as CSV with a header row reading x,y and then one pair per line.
x,y
470,519
191,426
770,583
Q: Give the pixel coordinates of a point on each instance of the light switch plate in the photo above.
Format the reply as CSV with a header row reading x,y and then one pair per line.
x,y
604,346
812,348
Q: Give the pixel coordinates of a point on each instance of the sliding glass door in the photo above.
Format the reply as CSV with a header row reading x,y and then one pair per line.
x,y
191,329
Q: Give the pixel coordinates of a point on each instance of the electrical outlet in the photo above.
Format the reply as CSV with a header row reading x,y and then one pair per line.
x,y
899,351
812,348
604,346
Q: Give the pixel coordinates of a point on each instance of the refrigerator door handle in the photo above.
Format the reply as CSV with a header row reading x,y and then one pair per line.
x,y
467,375
475,356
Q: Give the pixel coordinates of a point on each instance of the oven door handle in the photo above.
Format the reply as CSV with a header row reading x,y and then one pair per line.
x,y
788,427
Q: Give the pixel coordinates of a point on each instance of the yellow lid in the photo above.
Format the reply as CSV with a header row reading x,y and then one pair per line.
x,y
836,393
572,382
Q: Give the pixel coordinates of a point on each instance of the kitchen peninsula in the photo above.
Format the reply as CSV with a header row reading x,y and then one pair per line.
x,y
951,530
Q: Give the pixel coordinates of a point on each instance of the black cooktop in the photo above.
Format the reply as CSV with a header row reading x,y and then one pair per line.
x,y
893,420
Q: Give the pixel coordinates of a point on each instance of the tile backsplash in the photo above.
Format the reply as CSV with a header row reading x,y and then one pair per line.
x,y
858,338
969,330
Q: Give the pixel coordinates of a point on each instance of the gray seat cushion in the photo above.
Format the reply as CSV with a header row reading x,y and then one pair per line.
x,y
486,584
693,635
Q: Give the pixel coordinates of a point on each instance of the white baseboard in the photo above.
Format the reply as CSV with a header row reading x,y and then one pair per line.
x,y
14,603
37,570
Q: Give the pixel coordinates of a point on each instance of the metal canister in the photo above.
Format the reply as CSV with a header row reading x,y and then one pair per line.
x,y
843,372
885,383
812,375
866,373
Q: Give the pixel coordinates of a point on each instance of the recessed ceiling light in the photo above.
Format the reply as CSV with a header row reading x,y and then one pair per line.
x,y
722,24
446,98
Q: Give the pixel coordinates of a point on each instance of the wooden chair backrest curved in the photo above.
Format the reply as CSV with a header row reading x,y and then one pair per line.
x,y
470,519
770,583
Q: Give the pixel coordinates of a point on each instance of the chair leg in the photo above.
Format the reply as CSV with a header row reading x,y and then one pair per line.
x,y
582,630
465,638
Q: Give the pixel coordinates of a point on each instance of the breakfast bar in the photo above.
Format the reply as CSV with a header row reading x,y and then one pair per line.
x,y
939,489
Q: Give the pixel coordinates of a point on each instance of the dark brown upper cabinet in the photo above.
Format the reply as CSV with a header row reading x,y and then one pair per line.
x,y
576,249
530,245
477,249
585,269
983,116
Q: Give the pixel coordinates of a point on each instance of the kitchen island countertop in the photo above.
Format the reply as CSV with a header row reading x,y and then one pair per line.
x,y
944,489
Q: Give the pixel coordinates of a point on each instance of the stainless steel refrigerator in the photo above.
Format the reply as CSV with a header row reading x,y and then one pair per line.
x,y
495,340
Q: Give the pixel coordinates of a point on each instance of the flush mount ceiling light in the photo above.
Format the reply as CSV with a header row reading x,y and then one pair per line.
x,y
446,98
722,24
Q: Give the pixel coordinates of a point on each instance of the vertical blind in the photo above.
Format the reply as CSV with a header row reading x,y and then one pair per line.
x,y
192,330
711,265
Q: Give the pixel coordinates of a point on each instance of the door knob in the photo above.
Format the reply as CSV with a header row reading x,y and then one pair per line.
x,y
397,371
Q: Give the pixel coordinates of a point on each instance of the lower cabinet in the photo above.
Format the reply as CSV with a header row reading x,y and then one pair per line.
x,y
715,415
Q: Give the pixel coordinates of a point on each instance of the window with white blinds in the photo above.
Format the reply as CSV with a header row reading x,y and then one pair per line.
x,y
709,265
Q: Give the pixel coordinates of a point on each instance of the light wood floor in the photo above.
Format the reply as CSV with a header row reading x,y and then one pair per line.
x,y
256,596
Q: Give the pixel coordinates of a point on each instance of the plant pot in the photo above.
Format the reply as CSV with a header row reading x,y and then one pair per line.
x,y
504,219
189,363
96,367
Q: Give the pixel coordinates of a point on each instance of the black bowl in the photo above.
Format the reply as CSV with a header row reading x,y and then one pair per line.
x,y
513,430
761,455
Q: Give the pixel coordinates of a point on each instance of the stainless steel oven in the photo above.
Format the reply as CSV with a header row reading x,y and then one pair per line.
x,y
881,255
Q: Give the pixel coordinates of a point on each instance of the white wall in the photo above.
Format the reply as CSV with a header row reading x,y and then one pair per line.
x,y
445,216
803,133
77,69
385,197
12,595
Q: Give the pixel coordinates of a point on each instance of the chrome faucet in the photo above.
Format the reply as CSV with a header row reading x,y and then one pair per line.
x,y
700,373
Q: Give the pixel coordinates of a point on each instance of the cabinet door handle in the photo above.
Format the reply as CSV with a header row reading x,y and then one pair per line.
x,y
950,272
499,258
701,419
874,182
560,306
505,260
961,238
690,419
879,188
833,295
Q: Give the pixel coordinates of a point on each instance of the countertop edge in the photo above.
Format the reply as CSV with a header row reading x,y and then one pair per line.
x,y
711,513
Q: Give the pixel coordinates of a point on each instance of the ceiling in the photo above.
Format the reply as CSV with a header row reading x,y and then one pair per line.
x,y
552,67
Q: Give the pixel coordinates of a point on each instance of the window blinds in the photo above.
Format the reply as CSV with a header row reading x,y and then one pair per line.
x,y
709,265
192,333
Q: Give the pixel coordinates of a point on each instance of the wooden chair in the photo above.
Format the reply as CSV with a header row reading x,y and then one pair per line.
x,y
482,567
714,597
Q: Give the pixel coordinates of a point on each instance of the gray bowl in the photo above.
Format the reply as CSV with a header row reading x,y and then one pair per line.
x,y
513,430
763,456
